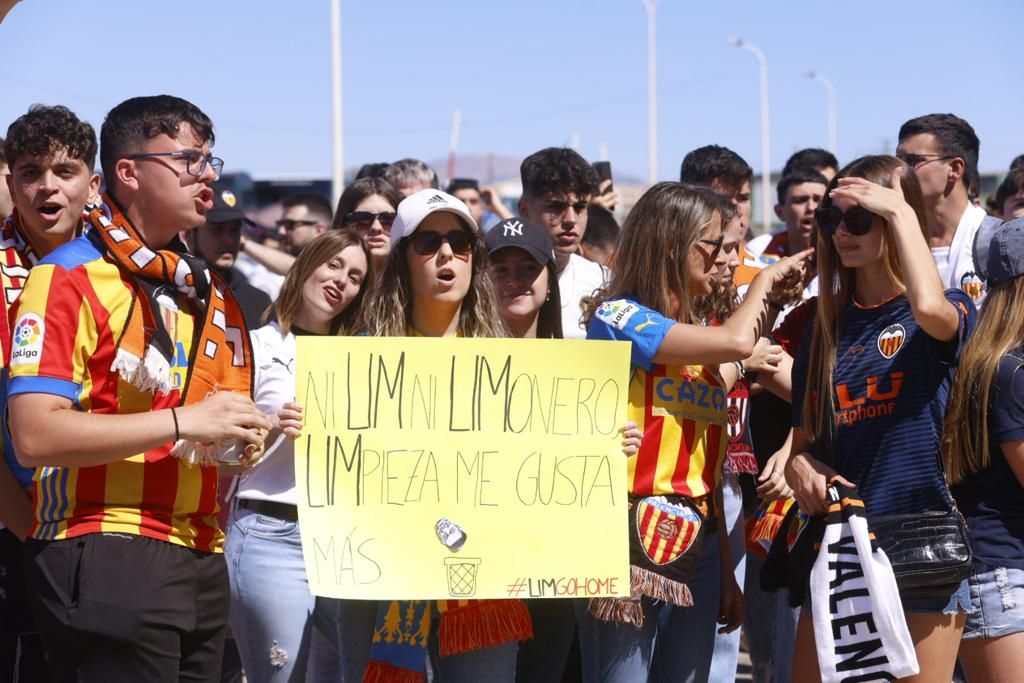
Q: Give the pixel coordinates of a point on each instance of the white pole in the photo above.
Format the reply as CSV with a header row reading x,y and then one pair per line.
x,y
830,91
338,183
602,152
453,143
574,141
766,171
652,94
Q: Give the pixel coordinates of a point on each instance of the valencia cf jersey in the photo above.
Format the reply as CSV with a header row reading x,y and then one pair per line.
x,y
681,410
891,382
70,316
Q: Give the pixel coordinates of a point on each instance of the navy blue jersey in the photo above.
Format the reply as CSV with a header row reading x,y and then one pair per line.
x,y
891,383
992,500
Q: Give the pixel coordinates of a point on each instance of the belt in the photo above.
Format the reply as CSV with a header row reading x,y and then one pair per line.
x,y
270,508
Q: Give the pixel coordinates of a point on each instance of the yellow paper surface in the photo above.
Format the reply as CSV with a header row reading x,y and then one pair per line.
x,y
515,441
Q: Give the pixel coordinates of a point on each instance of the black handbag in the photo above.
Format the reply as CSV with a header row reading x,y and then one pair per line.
x,y
930,552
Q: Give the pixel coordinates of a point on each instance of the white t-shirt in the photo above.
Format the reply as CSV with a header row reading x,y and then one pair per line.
x,y
258,275
273,478
579,279
956,262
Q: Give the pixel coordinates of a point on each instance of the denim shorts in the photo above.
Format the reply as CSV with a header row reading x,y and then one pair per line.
x,y
997,602
957,601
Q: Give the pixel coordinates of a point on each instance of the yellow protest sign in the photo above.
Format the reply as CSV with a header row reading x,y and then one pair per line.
x,y
462,468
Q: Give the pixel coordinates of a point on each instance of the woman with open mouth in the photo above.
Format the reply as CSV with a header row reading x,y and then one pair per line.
x,y
271,604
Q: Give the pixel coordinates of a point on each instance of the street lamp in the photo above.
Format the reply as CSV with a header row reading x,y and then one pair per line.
x,y
652,96
831,92
338,157
766,172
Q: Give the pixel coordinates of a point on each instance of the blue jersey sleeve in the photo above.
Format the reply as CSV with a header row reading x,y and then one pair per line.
x,y
1006,402
626,320
968,314
21,473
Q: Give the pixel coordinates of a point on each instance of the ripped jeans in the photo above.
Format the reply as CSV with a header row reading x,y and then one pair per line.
x,y
997,602
271,606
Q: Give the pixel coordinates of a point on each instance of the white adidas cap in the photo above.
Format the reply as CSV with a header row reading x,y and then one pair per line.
x,y
417,206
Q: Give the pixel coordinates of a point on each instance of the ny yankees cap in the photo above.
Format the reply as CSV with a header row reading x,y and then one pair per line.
x,y
417,206
1006,252
519,232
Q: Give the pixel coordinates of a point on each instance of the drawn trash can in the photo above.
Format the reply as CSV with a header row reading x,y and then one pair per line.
x,y
462,575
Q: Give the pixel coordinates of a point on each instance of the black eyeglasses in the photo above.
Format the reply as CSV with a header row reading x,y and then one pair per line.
x,y
363,220
716,245
288,225
858,220
428,242
915,160
195,162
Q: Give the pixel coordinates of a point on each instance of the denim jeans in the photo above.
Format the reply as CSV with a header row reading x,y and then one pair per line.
x,y
271,605
345,636
492,664
543,658
727,645
675,643
786,619
997,602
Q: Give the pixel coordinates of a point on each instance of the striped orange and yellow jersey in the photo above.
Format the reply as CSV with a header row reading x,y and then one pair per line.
x,y
69,318
681,410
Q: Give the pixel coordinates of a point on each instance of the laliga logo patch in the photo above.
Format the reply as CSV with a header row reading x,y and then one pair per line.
x,y
973,285
229,198
28,340
617,313
891,340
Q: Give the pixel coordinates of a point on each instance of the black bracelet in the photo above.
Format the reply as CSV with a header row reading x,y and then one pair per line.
x,y
177,434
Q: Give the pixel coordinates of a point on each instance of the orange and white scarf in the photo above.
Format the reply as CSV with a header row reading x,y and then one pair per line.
x,y
221,355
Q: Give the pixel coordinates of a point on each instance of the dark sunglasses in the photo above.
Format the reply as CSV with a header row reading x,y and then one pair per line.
x,y
858,220
428,242
363,220
716,245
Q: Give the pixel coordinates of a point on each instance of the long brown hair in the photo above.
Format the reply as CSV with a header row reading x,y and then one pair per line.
x,y
659,232
318,252
388,312
355,193
837,287
723,299
1000,330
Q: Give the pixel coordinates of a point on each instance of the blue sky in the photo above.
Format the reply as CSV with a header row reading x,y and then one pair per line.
x,y
525,74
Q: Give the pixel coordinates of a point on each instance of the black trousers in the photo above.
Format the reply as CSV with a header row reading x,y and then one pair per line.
x,y
117,607
21,651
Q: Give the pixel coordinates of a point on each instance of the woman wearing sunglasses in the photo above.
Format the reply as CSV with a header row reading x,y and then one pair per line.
x,y
876,371
271,605
670,253
435,284
367,207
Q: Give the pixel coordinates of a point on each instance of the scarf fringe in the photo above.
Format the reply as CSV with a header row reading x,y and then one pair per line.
x,y
149,375
382,672
192,453
483,624
761,533
642,583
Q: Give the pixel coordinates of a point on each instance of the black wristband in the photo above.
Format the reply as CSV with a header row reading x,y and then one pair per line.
x,y
177,434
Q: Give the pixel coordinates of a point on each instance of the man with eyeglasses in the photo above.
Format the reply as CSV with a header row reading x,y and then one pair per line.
x,y
128,357
943,151
304,217
557,186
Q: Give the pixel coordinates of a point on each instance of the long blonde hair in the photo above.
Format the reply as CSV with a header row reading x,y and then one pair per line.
x,y
837,286
659,232
318,252
388,313
1000,330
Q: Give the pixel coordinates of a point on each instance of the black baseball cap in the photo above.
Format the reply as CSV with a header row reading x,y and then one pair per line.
x,y
226,208
519,232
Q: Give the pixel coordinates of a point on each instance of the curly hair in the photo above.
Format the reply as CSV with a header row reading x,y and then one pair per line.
x,y
45,130
557,169
130,124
